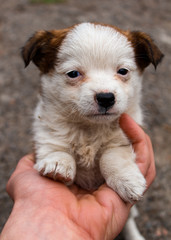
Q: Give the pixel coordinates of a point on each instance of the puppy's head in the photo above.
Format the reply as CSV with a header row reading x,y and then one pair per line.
x,y
91,71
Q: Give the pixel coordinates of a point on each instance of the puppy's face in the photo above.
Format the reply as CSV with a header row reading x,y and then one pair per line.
x,y
91,71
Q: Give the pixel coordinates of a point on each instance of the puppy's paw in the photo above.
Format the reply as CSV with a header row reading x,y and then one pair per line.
x,y
58,166
129,186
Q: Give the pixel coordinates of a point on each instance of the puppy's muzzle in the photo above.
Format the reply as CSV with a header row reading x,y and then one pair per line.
x,y
105,101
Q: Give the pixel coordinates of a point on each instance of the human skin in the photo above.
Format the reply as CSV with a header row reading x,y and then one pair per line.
x,y
44,209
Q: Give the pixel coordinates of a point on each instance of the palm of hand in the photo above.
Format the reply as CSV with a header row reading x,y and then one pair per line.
x,y
100,214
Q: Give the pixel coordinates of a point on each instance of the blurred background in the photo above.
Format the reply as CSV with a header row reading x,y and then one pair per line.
x,y
19,19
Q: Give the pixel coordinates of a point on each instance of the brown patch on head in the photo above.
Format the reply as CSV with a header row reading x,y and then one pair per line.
x,y
146,51
42,49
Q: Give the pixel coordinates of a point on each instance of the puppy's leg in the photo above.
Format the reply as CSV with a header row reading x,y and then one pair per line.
x,y
120,172
131,231
58,166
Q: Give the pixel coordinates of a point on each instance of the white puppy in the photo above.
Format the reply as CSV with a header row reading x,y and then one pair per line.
x,y
90,75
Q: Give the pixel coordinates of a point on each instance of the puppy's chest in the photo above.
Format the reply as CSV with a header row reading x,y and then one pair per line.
x,y
87,147
85,154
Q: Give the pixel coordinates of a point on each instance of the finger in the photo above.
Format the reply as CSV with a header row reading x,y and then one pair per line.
x,y
26,163
146,161
142,146
131,128
140,142
109,198
143,159
151,174
116,209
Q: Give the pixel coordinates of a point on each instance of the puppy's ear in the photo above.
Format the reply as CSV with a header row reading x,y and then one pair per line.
x,y
42,49
146,51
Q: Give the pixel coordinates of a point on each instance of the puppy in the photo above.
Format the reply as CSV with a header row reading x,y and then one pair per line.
x,y
90,75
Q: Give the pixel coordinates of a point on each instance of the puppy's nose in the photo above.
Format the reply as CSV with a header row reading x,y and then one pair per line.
x,y
105,100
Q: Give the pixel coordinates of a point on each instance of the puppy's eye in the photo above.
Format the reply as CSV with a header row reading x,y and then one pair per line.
x,y
73,74
122,71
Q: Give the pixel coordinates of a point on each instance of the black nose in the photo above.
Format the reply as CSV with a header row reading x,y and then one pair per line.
x,y
105,100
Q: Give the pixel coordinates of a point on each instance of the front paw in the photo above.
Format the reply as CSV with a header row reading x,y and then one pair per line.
x,y
129,185
58,166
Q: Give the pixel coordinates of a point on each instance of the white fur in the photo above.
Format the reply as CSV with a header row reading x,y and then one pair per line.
x,y
71,138
131,231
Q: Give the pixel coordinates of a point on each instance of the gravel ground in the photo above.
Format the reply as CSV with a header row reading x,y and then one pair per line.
x,y
19,87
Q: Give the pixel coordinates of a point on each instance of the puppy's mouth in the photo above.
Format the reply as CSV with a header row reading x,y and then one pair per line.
x,y
103,113
102,116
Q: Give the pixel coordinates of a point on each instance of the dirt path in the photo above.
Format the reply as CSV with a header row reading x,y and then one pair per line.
x,y
18,89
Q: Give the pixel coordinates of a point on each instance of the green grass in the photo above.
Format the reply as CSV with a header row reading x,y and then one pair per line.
x,y
47,1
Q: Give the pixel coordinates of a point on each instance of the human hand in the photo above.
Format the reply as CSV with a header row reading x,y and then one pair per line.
x,y
142,147
44,209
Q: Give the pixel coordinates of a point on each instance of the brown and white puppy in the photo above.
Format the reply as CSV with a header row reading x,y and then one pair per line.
x,y
90,75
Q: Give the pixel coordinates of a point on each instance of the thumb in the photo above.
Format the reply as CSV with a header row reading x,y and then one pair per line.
x,y
133,131
26,163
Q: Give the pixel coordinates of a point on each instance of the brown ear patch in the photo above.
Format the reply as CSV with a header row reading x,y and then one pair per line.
x,y
42,49
146,51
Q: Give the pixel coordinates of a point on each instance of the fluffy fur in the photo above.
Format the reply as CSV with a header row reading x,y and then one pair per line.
x,y
77,139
